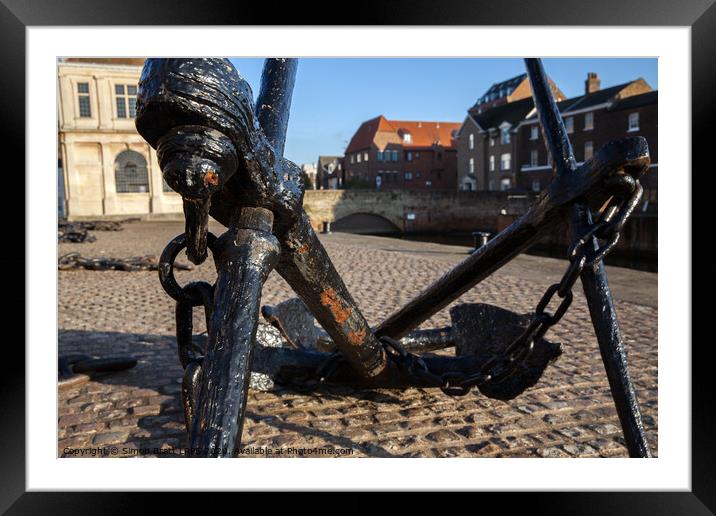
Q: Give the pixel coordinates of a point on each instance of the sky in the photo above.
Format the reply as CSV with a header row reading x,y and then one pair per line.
x,y
333,96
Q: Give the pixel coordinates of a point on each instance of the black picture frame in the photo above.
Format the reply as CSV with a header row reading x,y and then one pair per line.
x,y
699,15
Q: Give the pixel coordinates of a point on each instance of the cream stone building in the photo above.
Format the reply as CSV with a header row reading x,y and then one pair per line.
x,y
105,169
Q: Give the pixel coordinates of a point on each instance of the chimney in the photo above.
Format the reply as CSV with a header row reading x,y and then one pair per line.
x,y
592,83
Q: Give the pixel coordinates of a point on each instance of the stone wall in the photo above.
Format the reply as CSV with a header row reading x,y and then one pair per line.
x,y
417,211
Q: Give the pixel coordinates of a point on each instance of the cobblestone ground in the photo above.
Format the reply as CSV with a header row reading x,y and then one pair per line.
x,y
568,413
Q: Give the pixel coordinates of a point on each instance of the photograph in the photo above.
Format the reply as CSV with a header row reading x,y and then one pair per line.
x,y
357,257
427,242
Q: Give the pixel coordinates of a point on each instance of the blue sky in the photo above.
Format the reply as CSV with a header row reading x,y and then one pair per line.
x,y
333,96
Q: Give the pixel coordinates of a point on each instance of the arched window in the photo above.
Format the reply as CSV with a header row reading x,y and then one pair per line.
x,y
130,173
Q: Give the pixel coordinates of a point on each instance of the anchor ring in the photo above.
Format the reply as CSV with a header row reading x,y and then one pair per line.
x,y
166,269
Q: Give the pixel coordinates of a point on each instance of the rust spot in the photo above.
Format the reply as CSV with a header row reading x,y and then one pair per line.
x,y
211,178
302,249
329,299
356,337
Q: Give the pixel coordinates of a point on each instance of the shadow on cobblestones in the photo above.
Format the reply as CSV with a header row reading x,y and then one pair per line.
x,y
569,414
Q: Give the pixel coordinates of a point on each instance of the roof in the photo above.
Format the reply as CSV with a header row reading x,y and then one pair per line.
x,y
509,85
634,101
423,134
512,113
328,159
602,97
597,97
363,137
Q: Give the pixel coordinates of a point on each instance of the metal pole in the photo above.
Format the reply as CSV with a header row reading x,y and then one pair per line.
x,y
594,279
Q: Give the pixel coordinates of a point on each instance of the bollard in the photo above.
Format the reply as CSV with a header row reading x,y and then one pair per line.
x,y
326,227
480,238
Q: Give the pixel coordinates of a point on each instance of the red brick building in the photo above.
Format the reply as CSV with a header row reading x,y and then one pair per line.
x,y
592,120
392,154
500,145
486,140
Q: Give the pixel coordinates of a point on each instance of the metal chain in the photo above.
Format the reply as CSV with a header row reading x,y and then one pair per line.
x,y
501,366
73,261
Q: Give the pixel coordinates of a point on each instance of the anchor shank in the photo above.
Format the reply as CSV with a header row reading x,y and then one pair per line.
x,y
611,347
594,279
244,256
273,104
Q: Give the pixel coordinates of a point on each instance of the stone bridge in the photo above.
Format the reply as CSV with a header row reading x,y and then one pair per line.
x,y
393,211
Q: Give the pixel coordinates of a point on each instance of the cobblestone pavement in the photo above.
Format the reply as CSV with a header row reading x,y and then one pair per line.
x,y
568,413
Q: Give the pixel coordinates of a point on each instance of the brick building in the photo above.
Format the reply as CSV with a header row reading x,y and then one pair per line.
x,y
486,139
392,154
330,173
500,145
592,120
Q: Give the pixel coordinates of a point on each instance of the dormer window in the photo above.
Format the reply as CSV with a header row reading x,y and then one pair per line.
x,y
407,138
505,135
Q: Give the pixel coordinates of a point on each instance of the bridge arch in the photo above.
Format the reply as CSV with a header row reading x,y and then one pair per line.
x,y
364,223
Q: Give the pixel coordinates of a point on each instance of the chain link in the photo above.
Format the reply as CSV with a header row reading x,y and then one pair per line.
x,y
581,254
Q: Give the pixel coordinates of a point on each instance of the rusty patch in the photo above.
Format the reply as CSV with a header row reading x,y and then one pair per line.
x,y
356,337
302,249
211,178
329,299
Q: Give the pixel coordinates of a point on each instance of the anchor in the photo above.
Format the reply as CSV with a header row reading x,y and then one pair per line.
x,y
224,156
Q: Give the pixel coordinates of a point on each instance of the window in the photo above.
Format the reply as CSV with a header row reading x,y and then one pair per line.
x,y
409,156
379,156
492,142
472,165
83,99
536,186
358,157
467,186
534,158
588,121
407,138
471,141
408,176
569,124
634,122
428,183
588,150
492,163
505,135
365,156
130,173
534,132
505,162
505,184
395,155
126,99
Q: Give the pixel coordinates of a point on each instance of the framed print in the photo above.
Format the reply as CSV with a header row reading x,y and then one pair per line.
x,y
319,215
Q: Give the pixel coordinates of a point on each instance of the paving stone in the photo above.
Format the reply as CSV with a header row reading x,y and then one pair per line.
x,y
568,413
110,438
